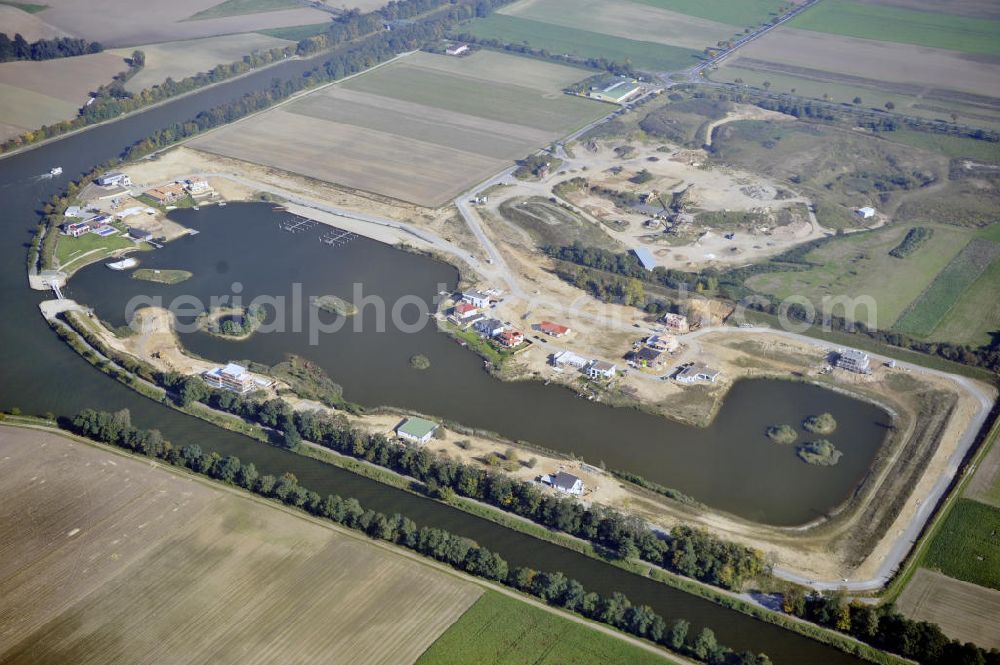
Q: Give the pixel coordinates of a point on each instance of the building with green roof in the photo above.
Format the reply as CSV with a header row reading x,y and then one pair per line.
x,y
416,430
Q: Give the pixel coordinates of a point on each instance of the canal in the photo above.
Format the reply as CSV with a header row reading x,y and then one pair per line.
x,y
41,374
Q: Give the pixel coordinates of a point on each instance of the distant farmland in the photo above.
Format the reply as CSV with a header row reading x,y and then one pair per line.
x,y
108,559
898,24
745,13
560,39
929,64
625,19
422,129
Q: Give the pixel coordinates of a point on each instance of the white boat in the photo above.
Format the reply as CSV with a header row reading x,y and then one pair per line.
x,y
55,170
124,264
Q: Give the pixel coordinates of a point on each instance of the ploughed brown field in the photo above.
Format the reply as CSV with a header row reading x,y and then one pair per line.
x,y
964,611
422,129
111,559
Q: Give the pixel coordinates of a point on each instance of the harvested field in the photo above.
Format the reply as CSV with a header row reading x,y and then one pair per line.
x,y
499,629
941,30
745,13
380,162
128,562
526,104
178,60
421,129
892,63
36,93
582,43
924,315
964,611
622,18
32,27
985,484
490,138
122,23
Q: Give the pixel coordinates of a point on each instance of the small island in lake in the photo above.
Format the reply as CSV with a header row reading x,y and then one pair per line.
x,y
821,453
783,434
420,361
335,305
162,276
234,323
824,423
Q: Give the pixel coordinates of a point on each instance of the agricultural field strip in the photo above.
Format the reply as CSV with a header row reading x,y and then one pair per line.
x,y
926,312
868,59
237,576
985,484
455,130
964,611
626,19
976,313
896,24
494,67
582,43
387,164
744,14
553,111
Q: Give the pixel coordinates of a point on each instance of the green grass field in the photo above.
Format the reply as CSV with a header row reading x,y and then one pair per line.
x,y
906,26
976,314
581,43
74,252
296,33
553,111
29,7
924,315
240,7
860,265
967,547
499,629
949,146
744,13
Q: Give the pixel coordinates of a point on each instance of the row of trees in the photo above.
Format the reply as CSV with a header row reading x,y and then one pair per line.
x,y
887,629
461,553
44,49
690,552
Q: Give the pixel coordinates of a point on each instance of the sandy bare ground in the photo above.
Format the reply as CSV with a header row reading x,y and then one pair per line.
x,y
32,27
123,23
711,189
964,611
114,560
181,59
628,20
891,62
